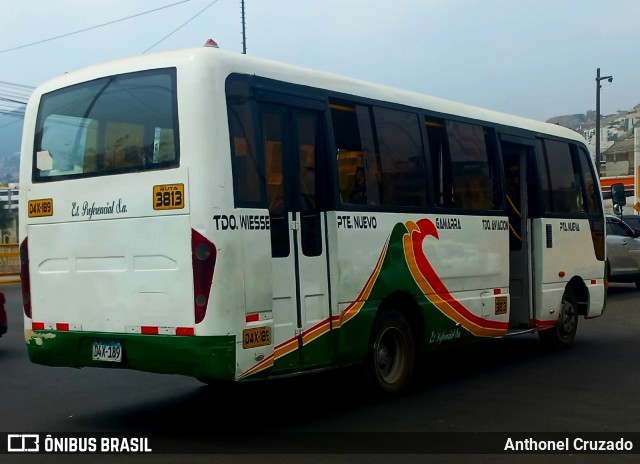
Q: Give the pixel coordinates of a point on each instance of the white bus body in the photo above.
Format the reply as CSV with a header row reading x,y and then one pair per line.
x,y
189,212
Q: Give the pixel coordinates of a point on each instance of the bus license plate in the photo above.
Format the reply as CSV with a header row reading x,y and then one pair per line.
x,y
258,336
106,350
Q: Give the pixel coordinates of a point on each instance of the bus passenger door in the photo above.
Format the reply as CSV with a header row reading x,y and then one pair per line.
x,y
515,157
295,157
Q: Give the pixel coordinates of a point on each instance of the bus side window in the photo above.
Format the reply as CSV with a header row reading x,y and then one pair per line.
x,y
464,164
561,179
402,161
591,201
248,172
356,156
440,162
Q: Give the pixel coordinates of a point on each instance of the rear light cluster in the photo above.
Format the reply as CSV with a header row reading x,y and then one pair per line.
x,y
203,257
24,277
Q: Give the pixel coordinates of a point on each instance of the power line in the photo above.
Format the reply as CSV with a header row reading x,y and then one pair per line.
x,y
181,26
12,100
92,27
4,93
29,87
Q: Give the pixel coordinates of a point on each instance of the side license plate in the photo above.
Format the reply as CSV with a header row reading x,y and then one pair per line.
x,y
107,350
258,336
501,305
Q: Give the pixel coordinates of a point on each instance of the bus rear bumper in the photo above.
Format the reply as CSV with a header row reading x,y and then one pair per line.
x,y
197,356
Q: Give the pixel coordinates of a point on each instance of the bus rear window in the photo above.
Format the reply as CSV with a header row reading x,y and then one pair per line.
x,y
118,124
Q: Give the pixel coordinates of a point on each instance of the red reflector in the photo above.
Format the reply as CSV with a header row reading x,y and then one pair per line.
x,y
253,317
24,278
497,291
61,326
37,325
148,330
185,331
594,281
203,262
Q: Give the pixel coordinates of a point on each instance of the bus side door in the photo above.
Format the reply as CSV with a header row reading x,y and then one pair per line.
x,y
295,153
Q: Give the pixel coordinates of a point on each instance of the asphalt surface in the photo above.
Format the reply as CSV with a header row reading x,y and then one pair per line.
x,y
509,386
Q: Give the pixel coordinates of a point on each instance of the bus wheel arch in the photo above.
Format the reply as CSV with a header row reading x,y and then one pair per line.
x,y
406,305
563,333
581,293
395,334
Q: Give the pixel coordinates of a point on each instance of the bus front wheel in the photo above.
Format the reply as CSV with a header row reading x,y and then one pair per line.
x,y
564,332
390,357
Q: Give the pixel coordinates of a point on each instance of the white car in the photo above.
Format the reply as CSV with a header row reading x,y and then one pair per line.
x,y
623,251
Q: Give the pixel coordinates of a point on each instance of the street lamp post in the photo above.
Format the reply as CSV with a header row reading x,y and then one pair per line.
x,y
598,79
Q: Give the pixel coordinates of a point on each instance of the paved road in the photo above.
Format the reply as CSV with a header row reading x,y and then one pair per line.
x,y
511,385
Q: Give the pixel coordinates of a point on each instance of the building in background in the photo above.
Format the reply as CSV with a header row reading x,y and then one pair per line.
x,y
9,206
9,196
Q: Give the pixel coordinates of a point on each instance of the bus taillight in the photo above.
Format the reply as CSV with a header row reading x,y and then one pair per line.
x,y
203,257
24,277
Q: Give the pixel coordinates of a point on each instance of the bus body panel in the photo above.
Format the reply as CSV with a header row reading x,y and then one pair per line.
x,y
91,266
144,279
459,282
563,250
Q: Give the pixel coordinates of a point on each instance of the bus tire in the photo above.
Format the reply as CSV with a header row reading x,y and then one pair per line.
x,y
564,332
391,354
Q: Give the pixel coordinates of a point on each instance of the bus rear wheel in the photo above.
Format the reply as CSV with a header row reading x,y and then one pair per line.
x,y
564,332
391,355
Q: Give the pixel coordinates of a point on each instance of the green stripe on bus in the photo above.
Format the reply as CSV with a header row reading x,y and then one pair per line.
x,y
211,357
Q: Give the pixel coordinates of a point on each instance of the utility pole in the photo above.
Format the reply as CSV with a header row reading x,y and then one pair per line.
x,y
598,79
244,35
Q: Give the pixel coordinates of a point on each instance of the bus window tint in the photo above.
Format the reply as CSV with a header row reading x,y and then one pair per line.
x,y
591,201
111,125
358,163
403,176
123,145
248,174
387,170
273,121
561,181
464,165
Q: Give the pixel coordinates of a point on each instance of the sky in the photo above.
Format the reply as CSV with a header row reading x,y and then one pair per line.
x,y
533,58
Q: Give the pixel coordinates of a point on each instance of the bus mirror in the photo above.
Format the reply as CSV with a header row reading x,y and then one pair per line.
x,y
617,194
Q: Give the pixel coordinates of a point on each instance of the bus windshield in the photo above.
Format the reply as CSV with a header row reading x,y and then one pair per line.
x,y
112,125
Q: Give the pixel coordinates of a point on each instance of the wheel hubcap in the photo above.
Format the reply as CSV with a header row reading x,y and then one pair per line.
x,y
389,358
567,317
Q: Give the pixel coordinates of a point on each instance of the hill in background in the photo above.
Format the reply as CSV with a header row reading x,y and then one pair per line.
x,y
572,121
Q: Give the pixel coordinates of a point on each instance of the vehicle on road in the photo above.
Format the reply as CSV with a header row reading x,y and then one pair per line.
x,y
217,215
632,220
3,315
623,251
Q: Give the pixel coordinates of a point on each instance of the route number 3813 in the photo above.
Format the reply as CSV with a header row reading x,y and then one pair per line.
x,y
168,196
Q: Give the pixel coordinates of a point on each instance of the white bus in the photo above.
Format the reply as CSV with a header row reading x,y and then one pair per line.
x,y
216,215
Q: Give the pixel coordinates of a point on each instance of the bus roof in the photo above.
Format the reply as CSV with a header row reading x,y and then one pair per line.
x,y
226,62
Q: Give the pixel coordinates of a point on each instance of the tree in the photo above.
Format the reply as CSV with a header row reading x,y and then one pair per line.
x,y
6,219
